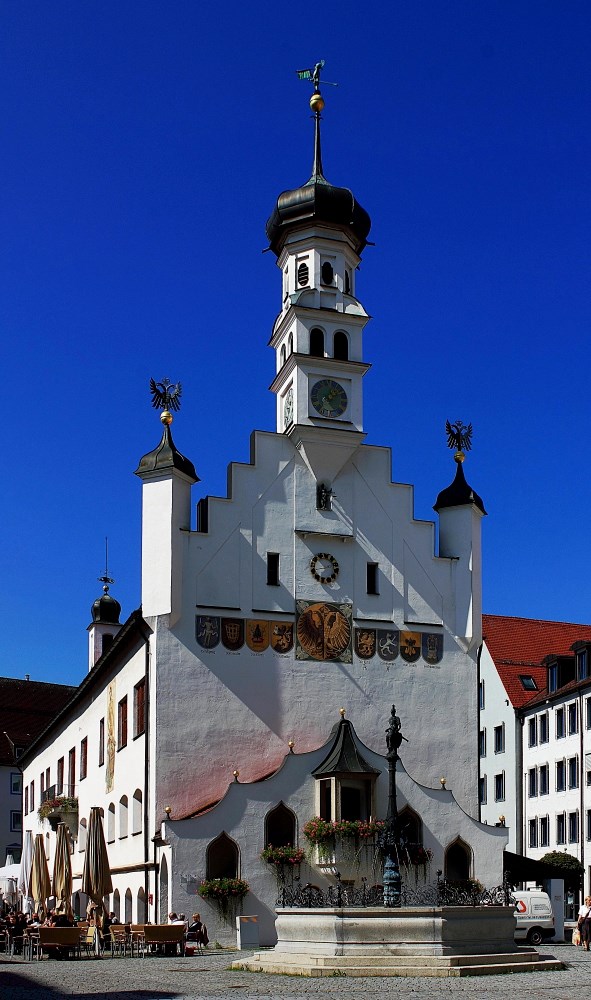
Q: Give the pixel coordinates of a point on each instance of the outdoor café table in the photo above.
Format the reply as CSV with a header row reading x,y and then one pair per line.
x,y
163,935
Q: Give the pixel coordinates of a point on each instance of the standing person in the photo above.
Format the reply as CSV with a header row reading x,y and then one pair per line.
x,y
584,922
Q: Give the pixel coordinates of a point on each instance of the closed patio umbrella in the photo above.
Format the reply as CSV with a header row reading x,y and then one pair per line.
x,y
24,875
96,876
40,883
62,872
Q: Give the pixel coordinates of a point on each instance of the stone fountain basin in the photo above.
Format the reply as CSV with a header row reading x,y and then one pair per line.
x,y
412,930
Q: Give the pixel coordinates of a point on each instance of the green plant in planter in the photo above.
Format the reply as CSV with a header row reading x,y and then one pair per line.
x,y
226,892
282,856
65,803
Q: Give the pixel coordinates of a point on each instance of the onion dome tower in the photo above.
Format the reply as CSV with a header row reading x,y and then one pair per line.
x,y
318,232
460,512
105,623
167,477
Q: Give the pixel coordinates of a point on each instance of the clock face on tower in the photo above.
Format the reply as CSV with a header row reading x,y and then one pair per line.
x,y
328,398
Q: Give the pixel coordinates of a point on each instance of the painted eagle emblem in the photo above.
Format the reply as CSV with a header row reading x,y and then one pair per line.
x,y
165,394
459,435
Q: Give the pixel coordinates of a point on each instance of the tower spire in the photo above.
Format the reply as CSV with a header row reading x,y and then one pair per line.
x,y
105,579
317,104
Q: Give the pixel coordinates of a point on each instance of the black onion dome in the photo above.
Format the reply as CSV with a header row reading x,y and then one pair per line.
x,y
165,457
106,610
458,494
318,201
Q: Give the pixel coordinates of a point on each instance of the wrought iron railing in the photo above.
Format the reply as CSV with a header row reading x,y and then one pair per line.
x,y
444,892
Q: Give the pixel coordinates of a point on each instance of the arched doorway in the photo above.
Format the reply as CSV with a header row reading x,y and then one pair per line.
x,y
458,860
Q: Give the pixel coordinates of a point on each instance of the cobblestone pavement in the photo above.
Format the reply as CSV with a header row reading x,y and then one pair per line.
x,y
202,977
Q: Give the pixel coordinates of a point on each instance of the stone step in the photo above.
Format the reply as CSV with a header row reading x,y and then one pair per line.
x,y
421,965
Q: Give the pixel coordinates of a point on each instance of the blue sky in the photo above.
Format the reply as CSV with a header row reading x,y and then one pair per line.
x,y
144,145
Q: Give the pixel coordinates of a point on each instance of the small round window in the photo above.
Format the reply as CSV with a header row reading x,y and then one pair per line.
x,y
303,274
327,273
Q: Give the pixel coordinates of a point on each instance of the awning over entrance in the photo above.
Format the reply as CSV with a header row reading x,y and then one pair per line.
x,y
522,869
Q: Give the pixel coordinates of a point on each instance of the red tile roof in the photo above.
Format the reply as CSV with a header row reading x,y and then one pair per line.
x,y
26,708
518,646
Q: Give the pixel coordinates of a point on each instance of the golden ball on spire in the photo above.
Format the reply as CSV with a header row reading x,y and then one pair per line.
x,y
166,417
316,102
342,713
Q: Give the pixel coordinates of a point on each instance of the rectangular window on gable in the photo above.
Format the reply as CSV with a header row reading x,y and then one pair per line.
x,y
71,771
60,777
553,677
533,833
272,569
27,800
372,578
582,665
16,783
481,695
101,744
32,796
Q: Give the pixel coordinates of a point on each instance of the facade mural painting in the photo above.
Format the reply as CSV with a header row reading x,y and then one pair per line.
x,y
111,740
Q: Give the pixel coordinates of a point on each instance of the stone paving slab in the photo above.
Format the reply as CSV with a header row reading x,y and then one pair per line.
x,y
208,976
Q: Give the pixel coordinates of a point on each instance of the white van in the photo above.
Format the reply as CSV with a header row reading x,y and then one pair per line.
x,y
533,913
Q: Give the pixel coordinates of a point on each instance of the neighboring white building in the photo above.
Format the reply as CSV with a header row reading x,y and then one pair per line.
x,y
534,723
204,729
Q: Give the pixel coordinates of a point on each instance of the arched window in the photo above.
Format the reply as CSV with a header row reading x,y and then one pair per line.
x,y
136,817
117,904
316,343
82,835
111,823
290,344
123,817
128,906
341,346
163,889
283,354
347,283
410,826
280,827
142,913
457,860
222,858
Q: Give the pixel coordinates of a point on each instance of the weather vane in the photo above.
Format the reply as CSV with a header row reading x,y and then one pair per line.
x,y
105,579
459,436
314,76
167,395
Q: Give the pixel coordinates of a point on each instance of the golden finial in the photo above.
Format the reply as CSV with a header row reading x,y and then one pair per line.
x,y
167,810
236,775
291,745
442,782
317,101
166,417
342,713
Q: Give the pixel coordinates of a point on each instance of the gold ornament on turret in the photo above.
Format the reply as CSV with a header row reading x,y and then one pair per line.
x,y
168,395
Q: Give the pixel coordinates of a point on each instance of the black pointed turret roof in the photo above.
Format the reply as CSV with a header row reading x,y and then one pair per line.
x,y
344,756
458,494
106,609
318,201
166,457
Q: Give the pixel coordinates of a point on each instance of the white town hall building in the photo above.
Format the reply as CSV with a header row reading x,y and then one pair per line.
x,y
209,724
